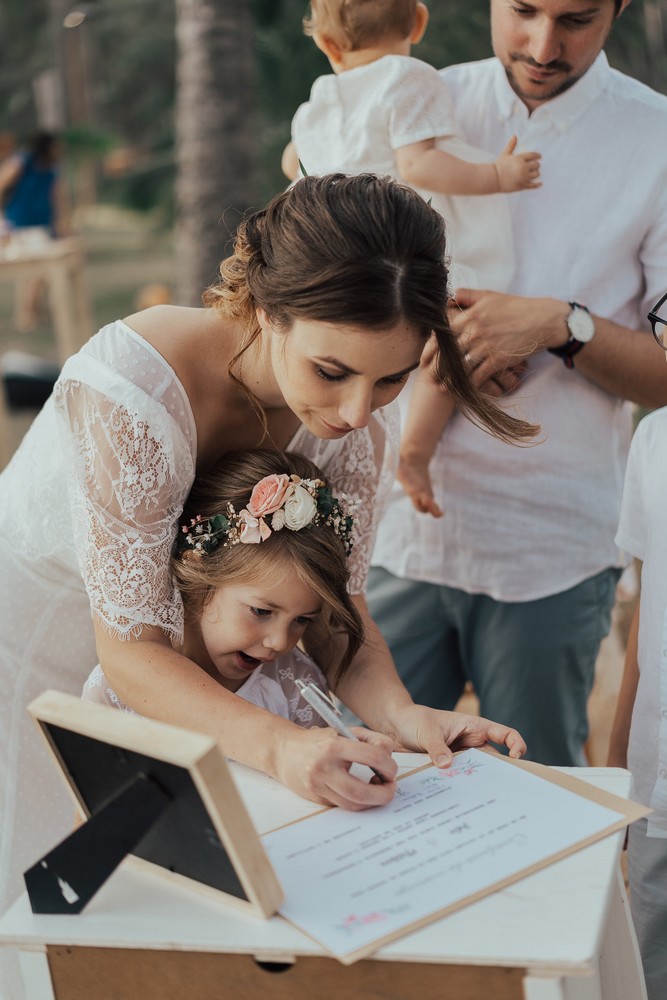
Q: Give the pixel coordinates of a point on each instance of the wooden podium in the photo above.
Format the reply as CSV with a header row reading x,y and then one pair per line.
x,y
561,934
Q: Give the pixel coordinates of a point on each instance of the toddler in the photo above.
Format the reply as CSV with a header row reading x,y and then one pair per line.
x,y
261,563
384,112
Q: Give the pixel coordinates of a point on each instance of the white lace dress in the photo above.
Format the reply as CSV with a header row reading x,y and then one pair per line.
x,y
89,509
271,686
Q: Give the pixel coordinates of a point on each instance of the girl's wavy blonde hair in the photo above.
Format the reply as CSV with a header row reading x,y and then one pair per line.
x,y
315,554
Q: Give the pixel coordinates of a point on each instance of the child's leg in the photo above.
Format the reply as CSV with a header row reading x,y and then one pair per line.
x,y
428,414
647,871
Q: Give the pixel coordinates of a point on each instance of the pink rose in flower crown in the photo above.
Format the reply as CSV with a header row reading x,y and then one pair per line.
x,y
252,529
268,495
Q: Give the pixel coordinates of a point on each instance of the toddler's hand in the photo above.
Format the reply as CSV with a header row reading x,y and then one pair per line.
x,y
517,171
414,477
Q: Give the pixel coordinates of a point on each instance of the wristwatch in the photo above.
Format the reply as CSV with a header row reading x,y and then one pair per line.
x,y
581,327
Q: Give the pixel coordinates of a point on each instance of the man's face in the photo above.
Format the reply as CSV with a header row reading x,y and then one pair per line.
x,y
547,45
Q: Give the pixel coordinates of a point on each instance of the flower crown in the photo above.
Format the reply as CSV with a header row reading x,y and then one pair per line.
x,y
276,502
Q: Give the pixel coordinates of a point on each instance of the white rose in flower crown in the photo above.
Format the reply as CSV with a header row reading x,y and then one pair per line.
x,y
299,506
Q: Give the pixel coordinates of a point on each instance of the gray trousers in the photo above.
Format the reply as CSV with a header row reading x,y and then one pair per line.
x,y
532,664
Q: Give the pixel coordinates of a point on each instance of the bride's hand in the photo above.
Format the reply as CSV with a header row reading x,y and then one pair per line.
x,y
437,733
315,763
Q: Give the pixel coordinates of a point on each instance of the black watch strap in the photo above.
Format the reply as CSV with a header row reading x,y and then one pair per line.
x,y
572,346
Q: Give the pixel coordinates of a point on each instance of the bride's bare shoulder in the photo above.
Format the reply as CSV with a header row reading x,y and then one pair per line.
x,y
168,320
197,343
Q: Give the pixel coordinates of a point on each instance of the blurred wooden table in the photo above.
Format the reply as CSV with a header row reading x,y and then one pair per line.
x,y
60,263
31,256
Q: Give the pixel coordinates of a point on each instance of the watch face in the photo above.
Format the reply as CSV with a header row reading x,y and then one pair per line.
x,y
581,325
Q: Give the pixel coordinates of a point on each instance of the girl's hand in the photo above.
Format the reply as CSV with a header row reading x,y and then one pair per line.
x,y
436,733
315,763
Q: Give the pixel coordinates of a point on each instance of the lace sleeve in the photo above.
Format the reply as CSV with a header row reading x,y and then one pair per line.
x,y
129,469
363,465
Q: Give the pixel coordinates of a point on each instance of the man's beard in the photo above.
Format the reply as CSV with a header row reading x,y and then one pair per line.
x,y
542,94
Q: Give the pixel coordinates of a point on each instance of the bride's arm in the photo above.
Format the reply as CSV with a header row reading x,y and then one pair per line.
x,y
158,682
373,690
129,467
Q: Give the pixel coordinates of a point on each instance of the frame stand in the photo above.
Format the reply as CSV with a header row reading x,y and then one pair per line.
x,y
67,878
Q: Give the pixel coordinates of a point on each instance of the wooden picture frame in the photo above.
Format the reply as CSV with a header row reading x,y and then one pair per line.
x,y
116,764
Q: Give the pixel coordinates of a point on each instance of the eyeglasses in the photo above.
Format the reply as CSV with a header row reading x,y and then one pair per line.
x,y
659,323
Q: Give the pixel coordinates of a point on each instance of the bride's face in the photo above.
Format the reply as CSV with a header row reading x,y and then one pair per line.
x,y
332,377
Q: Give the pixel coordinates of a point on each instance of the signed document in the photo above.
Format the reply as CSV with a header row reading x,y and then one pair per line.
x,y
354,881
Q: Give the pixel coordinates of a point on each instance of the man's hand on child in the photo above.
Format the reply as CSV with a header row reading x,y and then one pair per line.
x,y
517,171
505,382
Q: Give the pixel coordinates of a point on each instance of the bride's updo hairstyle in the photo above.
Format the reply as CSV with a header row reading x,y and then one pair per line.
x,y
361,251
315,554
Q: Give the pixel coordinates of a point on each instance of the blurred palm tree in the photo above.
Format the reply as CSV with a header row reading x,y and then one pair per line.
x,y
217,143
655,31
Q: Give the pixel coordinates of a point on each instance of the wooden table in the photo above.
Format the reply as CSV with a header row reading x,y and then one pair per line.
x,y
561,934
61,264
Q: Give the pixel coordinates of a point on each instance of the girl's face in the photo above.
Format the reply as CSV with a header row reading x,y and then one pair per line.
x,y
332,377
245,626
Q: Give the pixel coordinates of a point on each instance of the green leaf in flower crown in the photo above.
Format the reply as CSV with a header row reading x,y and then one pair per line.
x,y
219,524
325,501
303,169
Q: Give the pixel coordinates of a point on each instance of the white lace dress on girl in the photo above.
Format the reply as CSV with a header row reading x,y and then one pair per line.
x,y
271,686
90,505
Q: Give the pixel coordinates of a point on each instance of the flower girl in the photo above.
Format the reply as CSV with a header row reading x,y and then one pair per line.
x,y
261,564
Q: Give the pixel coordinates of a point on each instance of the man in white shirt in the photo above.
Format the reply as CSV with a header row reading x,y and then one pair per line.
x,y
513,587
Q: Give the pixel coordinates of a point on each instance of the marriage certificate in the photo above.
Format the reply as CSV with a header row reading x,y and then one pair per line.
x,y
354,881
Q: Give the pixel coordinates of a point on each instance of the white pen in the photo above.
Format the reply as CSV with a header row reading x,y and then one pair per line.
x,y
329,712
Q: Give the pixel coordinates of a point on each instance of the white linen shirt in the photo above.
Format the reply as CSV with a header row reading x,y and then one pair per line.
x,y
522,523
354,121
642,533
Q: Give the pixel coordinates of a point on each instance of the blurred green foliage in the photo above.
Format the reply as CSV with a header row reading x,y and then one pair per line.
x,y
130,74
